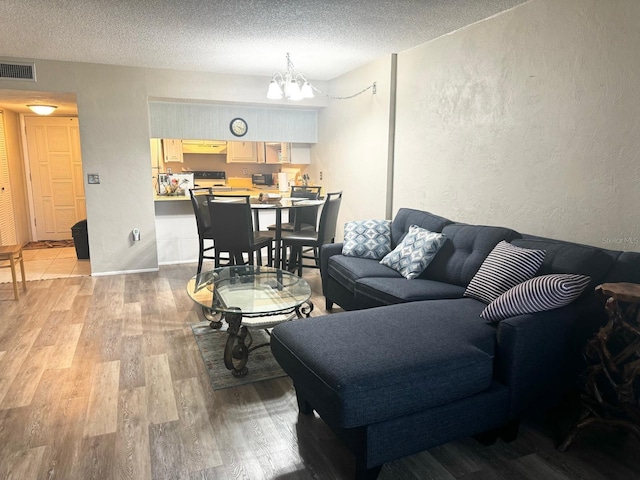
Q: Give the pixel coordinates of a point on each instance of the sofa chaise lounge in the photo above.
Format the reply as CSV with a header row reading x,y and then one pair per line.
x,y
411,364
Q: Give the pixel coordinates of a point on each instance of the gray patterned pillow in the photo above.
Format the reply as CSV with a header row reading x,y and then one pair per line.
x,y
367,239
415,252
538,294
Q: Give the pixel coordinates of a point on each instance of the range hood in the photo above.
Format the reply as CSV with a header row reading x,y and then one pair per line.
x,y
204,146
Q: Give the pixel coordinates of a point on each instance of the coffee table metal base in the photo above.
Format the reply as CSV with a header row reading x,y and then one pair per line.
x,y
240,343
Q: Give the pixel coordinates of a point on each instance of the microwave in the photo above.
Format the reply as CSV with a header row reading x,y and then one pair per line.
x,y
262,179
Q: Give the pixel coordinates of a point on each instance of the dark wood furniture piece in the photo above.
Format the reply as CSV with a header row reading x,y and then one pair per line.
x,y
280,205
611,393
303,218
203,222
232,230
297,240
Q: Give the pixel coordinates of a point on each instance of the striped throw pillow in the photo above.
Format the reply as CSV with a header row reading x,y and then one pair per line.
x,y
505,267
538,294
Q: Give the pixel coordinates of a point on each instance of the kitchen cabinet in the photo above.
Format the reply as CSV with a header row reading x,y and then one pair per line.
x,y
210,147
172,150
300,154
245,152
276,152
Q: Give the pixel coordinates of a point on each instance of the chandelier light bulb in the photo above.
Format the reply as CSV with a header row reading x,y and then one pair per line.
x,y
293,90
306,91
274,92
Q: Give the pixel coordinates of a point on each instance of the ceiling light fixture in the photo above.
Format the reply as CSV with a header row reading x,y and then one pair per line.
x,y
295,86
42,109
290,85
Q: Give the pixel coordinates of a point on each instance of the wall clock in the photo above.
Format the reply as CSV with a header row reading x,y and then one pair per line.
x,y
238,127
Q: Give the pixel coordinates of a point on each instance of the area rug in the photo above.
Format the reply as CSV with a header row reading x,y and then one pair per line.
x,y
261,364
48,244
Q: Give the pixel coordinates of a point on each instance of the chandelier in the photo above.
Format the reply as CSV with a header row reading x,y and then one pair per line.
x,y
290,85
295,86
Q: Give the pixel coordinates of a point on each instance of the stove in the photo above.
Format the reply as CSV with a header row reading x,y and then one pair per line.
x,y
211,179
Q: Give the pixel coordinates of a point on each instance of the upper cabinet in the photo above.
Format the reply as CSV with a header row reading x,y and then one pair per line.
x,y
276,152
211,147
172,150
300,153
245,152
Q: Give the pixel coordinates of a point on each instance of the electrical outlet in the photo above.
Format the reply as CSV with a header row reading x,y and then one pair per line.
x,y
244,171
320,175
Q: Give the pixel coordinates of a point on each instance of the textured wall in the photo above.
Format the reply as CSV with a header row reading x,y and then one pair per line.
x,y
353,141
530,119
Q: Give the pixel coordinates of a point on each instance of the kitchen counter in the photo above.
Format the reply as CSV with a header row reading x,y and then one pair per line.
x,y
253,192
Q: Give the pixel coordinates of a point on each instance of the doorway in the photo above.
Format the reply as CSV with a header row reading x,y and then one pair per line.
x,y
54,167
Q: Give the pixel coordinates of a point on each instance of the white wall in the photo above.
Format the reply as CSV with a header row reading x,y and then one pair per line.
x,y
353,143
530,119
113,114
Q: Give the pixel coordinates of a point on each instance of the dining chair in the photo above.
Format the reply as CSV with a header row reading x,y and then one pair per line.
x,y
297,240
233,232
302,217
203,222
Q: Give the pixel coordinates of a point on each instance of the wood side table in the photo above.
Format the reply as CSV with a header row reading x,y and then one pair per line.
x,y
611,393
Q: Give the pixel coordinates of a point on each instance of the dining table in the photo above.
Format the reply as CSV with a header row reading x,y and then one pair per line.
x,y
278,205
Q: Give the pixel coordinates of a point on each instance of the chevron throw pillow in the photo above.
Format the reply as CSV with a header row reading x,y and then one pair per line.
x,y
538,294
367,239
505,267
416,251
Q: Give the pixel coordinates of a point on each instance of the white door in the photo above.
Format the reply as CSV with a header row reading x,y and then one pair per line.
x,y
53,145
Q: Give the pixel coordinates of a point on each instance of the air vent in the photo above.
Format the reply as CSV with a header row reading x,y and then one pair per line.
x,y
18,71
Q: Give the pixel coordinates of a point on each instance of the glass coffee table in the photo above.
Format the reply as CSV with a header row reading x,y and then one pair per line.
x,y
246,297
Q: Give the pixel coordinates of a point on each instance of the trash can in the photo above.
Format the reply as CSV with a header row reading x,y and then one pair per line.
x,y
81,239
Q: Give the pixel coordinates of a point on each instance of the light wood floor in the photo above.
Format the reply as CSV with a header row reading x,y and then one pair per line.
x,y
100,378
46,264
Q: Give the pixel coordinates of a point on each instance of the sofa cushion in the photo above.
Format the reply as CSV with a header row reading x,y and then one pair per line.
x,y
538,294
416,250
346,270
565,257
371,292
626,268
426,354
464,251
408,216
505,267
367,239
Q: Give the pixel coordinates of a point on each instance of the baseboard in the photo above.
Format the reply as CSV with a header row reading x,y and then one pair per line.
x,y
124,272
179,262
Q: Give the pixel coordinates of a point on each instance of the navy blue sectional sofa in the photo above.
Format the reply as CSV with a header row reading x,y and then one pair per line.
x,y
411,364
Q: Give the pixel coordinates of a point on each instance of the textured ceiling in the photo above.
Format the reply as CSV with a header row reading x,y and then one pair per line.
x,y
325,38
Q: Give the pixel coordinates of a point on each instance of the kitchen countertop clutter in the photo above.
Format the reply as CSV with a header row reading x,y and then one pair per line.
x,y
176,186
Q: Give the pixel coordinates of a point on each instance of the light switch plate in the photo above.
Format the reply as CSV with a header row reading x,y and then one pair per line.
x,y
93,178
